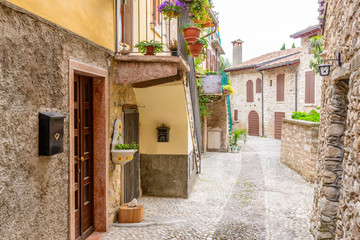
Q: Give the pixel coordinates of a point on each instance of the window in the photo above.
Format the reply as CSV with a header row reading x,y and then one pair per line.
x,y
249,91
258,85
270,83
236,115
280,87
309,87
207,59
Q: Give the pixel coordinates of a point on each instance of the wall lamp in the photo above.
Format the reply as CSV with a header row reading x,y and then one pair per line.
x,y
324,69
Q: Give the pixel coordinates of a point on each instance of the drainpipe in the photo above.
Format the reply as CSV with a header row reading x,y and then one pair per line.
x,y
296,83
262,101
117,24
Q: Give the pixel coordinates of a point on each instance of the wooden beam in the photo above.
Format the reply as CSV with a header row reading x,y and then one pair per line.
x,y
158,81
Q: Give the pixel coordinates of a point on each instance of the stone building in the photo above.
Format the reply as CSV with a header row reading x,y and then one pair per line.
x,y
336,210
272,86
64,57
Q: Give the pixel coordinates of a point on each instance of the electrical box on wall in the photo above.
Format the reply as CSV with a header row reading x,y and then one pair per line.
x,y
51,133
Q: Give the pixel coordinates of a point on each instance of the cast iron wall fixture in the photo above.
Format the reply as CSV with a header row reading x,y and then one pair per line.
x,y
51,133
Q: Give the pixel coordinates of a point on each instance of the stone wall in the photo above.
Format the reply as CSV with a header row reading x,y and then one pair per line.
x,y
299,146
218,120
238,100
336,200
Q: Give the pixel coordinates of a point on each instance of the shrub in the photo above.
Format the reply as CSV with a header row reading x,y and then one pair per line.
x,y
312,116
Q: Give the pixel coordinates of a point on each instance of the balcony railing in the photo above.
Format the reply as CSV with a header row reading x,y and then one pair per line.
x,y
141,20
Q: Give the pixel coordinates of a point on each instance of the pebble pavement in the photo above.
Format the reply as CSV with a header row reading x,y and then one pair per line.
x,y
248,195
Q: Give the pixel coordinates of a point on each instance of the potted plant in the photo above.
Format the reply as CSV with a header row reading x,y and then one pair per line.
x,y
235,136
197,47
228,89
149,47
172,9
173,47
191,32
200,10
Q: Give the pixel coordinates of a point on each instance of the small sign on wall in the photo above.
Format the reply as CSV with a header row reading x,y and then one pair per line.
x,y
163,133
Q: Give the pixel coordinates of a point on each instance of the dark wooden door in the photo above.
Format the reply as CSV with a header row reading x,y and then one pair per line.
x,y
83,162
131,135
278,124
253,121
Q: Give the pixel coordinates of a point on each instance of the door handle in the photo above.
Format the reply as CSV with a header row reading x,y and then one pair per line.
x,y
82,159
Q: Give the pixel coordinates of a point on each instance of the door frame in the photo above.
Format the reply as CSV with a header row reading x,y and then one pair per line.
x,y
100,144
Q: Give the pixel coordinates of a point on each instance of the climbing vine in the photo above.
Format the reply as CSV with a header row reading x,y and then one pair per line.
x,y
316,45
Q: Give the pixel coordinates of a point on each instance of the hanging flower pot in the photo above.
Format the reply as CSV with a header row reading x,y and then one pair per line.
x,y
205,24
195,48
121,157
191,34
172,9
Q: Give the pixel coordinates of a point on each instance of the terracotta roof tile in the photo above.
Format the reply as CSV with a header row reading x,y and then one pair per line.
x,y
261,61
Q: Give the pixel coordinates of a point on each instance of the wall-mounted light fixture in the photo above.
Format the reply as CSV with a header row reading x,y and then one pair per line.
x,y
324,69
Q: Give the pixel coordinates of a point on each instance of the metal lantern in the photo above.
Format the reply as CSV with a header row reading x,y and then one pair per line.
x,y
163,133
324,69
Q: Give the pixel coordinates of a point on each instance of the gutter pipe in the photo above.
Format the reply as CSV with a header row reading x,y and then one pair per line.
x,y
296,84
262,101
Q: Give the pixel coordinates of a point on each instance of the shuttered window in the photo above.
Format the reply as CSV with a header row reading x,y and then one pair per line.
x,y
258,85
309,87
280,87
236,115
249,91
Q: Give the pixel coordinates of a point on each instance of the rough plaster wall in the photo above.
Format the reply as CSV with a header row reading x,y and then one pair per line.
x,y
304,67
218,119
34,202
341,34
119,96
271,106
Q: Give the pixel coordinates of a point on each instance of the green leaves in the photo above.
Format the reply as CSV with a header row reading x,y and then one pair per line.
x,y
316,45
126,146
313,116
143,44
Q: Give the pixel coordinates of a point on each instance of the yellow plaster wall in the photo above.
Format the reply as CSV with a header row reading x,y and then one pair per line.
x,y
92,19
163,105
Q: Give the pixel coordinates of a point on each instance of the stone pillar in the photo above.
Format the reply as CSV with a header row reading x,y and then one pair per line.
x,y
329,167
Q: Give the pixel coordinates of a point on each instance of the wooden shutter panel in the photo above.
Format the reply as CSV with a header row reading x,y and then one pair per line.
x,y
236,115
310,87
258,85
249,91
280,87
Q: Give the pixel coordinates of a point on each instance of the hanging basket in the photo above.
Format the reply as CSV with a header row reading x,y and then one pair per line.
x,y
195,48
121,157
191,34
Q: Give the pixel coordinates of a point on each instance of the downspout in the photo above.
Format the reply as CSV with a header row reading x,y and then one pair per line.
x,y
262,101
117,25
296,83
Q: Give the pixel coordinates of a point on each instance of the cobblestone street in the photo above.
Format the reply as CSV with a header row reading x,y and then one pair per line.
x,y
249,195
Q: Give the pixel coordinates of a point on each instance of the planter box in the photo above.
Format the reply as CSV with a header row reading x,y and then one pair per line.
x,y
121,157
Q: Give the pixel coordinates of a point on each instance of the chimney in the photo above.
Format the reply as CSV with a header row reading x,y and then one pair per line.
x,y
237,52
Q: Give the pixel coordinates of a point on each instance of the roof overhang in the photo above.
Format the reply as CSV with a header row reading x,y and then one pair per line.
x,y
297,61
306,32
216,44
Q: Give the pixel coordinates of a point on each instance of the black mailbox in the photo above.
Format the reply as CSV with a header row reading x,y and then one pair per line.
x,y
51,133
163,133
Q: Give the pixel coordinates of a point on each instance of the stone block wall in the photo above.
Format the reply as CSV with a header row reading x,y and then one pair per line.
x,y
299,147
336,211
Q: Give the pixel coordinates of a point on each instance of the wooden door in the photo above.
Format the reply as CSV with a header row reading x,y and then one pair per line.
x,y
278,124
132,174
83,162
253,121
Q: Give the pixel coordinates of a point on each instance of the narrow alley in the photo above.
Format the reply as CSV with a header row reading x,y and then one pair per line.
x,y
249,195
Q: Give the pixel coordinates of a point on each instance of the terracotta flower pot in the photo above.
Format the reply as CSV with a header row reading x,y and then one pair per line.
x,y
150,50
226,92
195,48
191,34
205,24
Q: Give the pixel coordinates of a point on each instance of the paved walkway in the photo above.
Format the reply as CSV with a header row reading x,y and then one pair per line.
x,y
249,195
